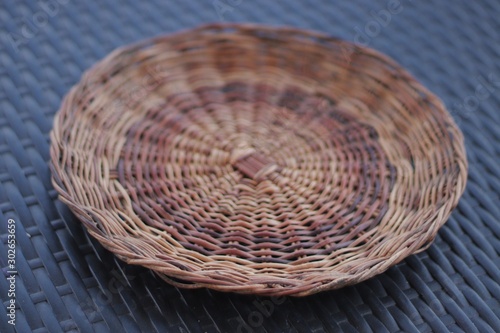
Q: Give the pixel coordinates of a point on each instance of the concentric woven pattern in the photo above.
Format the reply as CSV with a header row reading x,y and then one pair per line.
x,y
257,160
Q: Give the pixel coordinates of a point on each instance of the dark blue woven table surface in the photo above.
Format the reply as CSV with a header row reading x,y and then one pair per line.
x,y
66,282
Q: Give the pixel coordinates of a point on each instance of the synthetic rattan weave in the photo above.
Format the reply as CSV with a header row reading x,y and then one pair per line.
x,y
260,160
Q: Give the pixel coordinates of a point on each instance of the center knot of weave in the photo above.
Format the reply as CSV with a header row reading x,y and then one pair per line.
x,y
252,164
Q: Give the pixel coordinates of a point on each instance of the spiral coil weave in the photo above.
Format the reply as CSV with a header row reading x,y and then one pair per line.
x,y
253,159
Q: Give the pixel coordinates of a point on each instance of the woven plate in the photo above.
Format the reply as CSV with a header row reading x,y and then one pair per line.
x,y
253,159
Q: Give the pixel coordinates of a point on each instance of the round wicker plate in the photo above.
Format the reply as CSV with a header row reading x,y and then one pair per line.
x,y
255,159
